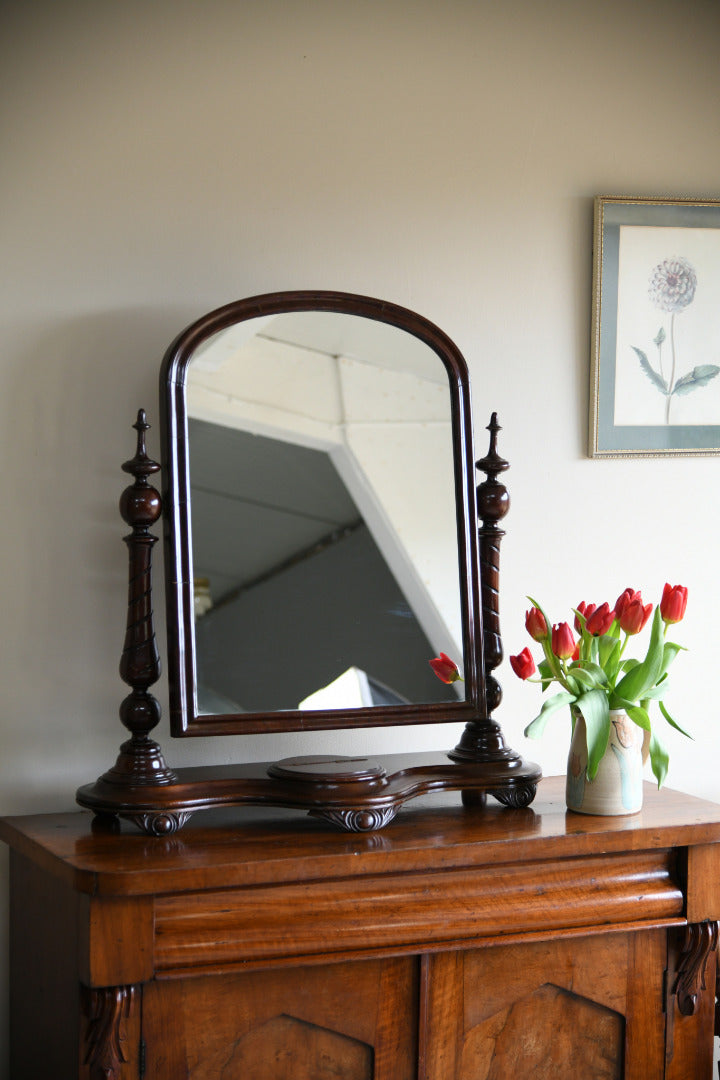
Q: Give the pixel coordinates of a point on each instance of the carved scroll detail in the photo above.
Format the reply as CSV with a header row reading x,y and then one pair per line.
x,y
700,940
160,823
518,796
358,820
107,1009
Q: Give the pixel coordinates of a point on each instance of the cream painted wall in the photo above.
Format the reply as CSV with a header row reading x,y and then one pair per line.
x,y
162,158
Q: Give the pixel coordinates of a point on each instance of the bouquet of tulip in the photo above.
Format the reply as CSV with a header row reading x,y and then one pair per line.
x,y
593,673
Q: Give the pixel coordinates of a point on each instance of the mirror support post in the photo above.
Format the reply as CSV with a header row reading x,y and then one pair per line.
x,y
493,504
482,742
140,761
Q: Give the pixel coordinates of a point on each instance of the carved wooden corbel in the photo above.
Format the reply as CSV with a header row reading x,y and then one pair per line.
x,y
700,940
107,1010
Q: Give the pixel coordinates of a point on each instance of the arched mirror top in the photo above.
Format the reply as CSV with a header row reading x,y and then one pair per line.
x,y
320,522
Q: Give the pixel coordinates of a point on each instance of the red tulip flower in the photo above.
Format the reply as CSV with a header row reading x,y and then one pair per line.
x,y
535,624
623,599
600,620
673,603
633,616
445,668
523,664
563,642
586,610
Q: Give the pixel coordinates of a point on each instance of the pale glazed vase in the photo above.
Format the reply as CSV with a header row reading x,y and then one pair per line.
x,y
617,786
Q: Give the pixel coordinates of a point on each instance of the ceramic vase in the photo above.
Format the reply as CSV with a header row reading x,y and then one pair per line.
x,y
617,786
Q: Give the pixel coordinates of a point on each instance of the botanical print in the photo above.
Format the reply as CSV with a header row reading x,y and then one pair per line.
x,y
672,288
668,326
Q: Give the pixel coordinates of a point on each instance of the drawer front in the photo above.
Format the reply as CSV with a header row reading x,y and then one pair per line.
x,y
407,912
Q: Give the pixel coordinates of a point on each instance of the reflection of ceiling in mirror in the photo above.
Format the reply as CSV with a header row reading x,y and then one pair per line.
x,y
294,585
375,400
257,503
334,334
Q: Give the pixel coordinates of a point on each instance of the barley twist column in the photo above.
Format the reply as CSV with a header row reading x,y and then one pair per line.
x,y
509,778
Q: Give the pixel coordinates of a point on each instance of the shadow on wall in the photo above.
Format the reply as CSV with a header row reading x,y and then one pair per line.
x,y
70,397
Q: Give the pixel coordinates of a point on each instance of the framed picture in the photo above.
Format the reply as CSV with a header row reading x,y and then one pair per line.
x,y
655,384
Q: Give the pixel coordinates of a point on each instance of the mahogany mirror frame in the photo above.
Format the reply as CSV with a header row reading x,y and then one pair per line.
x,y
184,720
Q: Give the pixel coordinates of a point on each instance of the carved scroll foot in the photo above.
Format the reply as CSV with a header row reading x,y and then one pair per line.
x,y
358,820
518,796
700,940
107,1010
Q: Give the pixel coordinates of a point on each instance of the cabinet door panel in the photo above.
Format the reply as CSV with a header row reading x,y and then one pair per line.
x,y
590,1007
355,1021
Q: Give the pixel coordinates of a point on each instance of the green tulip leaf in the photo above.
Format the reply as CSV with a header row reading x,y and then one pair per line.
x,y
536,727
655,693
699,376
639,716
546,674
592,669
655,379
573,685
587,679
659,758
670,651
596,714
674,723
609,653
636,682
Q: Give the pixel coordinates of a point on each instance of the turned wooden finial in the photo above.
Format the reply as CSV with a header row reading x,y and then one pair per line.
x,y
493,504
140,760
482,739
140,507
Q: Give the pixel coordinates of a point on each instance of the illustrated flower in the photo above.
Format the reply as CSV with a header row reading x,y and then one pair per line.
x,y
673,603
672,289
563,642
593,675
672,284
445,668
634,615
600,619
535,624
523,664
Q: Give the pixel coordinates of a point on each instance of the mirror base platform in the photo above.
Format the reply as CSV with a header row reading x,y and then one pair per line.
x,y
355,794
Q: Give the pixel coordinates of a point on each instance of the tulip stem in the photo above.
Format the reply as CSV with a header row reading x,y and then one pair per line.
x,y
552,661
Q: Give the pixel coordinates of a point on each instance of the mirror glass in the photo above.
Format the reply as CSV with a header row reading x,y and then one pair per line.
x,y
324,539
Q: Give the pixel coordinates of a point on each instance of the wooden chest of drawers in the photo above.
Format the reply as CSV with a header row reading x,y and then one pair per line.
x,y
457,943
